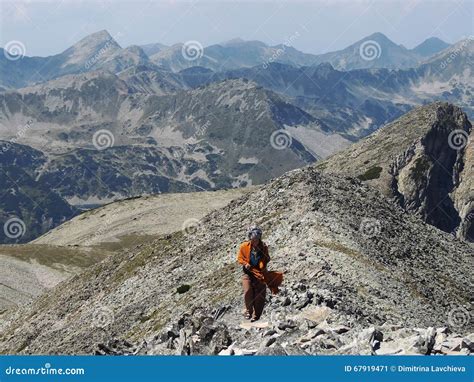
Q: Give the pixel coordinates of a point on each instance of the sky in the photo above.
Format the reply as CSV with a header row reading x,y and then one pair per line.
x,y
50,26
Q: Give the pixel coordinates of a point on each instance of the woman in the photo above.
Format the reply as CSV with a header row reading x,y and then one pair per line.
x,y
253,255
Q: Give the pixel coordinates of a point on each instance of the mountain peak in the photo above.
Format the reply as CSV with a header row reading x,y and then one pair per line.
x,y
239,42
135,49
373,51
95,39
233,41
151,49
431,40
104,33
98,45
378,37
430,46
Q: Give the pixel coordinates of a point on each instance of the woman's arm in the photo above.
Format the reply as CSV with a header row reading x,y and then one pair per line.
x,y
241,258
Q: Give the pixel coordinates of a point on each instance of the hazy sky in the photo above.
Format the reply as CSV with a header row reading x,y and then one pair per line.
x,y
49,27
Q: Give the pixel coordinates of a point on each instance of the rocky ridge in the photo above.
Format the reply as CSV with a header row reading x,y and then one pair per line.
x,y
424,161
342,245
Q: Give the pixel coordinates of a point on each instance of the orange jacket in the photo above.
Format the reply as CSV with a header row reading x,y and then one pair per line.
x,y
243,256
272,279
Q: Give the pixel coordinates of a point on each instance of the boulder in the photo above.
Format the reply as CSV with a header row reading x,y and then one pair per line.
x,y
316,314
420,343
276,349
467,344
220,340
287,324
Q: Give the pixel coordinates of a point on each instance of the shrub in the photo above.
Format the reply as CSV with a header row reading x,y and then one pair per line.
x,y
183,288
371,173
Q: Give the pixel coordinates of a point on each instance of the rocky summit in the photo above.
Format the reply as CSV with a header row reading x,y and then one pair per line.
x,y
359,273
423,160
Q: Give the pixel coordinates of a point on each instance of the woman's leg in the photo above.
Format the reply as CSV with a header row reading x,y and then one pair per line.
x,y
260,290
248,295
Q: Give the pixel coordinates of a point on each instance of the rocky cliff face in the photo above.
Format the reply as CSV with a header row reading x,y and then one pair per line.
x,y
350,258
423,160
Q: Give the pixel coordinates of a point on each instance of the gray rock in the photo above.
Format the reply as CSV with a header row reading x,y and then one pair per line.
x,y
269,332
276,349
287,325
420,343
340,329
220,341
467,344
286,301
271,340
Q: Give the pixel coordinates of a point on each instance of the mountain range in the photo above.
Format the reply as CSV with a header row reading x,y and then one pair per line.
x,y
98,123
373,51
101,51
